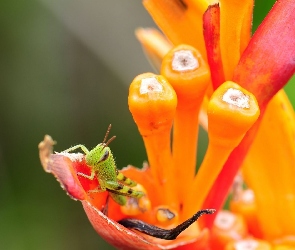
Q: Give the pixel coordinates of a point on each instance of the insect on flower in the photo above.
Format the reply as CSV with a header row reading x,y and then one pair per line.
x,y
102,165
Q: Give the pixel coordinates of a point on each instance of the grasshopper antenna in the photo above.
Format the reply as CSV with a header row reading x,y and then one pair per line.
x,y
106,136
107,133
109,141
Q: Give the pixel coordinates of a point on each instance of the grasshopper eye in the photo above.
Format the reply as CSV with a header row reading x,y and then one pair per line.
x,y
105,156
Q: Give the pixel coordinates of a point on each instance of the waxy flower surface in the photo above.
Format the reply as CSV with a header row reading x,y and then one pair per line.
x,y
213,73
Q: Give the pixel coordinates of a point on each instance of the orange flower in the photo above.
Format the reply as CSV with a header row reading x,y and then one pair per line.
x,y
230,83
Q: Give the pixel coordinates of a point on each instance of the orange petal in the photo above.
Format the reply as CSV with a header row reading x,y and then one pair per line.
x,y
180,21
154,44
235,28
269,168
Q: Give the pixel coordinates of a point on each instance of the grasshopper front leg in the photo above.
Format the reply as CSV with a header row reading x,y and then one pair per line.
x,y
83,148
90,177
86,151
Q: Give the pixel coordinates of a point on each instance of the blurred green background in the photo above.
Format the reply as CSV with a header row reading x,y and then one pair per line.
x,y
65,70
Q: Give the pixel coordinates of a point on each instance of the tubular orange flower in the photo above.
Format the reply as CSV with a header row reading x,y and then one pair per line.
x,y
282,196
235,25
216,75
152,102
189,75
231,112
263,80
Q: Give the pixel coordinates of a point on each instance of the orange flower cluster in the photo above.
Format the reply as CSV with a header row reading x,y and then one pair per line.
x,y
213,73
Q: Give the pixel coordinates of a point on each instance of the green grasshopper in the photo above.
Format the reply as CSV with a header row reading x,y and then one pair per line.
x,y
102,165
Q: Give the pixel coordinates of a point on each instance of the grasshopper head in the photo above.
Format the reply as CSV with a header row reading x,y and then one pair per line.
x,y
101,152
98,155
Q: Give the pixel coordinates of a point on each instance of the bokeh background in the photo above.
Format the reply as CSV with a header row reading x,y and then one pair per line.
x,y
65,67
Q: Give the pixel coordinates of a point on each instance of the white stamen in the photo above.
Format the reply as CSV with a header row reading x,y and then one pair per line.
x,y
248,196
184,60
150,84
224,220
236,98
246,244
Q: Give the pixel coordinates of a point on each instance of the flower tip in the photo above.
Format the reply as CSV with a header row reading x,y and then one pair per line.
x,y
45,150
186,70
152,102
235,108
184,60
61,167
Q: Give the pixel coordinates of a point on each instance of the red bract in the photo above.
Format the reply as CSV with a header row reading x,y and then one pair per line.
x,y
211,24
123,238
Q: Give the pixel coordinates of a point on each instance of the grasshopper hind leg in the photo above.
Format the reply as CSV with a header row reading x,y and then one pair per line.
x,y
127,181
120,199
122,190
